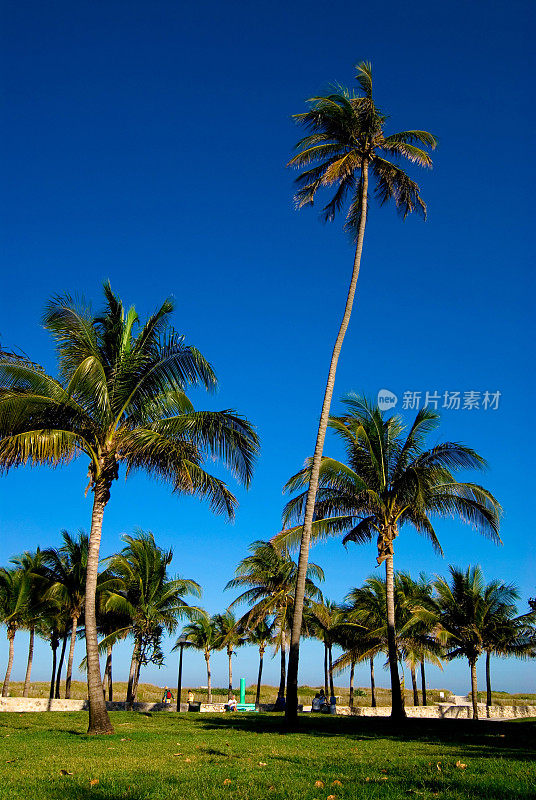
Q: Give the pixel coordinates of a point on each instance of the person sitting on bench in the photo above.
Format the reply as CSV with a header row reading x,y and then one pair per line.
x,y
231,703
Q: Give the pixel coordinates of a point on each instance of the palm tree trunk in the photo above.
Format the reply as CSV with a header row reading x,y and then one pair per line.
x,y
423,683
11,640
132,672
488,678
99,721
107,680
26,689
352,670
331,687
54,642
209,684
474,698
136,682
110,676
291,712
230,656
372,684
283,671
397,706
259,678
326,687
414,684
71,658
60,666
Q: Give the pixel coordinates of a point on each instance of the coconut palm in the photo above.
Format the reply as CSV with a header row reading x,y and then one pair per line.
x,y
32,565
120,400
345,142
202,634
463,612
14,591
325,621
68,567
261,635
270,575
232,636
144,592
390,480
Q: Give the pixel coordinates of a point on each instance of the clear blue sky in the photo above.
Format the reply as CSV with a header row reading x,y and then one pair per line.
x,y
147,142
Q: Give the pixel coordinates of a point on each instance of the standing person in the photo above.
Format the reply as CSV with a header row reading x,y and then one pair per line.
x,y
190,696
167,697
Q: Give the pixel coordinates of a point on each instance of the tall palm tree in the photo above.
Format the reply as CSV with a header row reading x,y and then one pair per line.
x,y
345,141
261,635
270,575
152,600
390,480
14,591
202,634
120,400
232,636
68,568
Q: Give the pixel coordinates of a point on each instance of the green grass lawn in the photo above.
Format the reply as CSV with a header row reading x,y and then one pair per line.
x,y
165,756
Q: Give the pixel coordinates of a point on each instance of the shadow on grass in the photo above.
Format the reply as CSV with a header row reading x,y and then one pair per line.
x,y
477,738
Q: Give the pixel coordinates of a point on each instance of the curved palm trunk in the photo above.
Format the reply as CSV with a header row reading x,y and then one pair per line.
x,y
11,640
352,670
291,712
54,642
26,689
230,657
488,678
99,721
71,658
423,683
474,698
372,684
60,666
414,685
397,705
259,677
132,672
326,687
136,682
209,684
331,687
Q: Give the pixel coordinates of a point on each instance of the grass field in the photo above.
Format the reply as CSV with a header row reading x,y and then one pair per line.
x,y
162,756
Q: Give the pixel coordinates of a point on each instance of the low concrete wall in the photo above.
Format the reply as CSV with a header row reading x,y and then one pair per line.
x,y
442,711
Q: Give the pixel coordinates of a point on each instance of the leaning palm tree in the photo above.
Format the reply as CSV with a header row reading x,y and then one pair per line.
x,y
270,575
389,480
145,593
68,567
346,141
14,592
202,634
120,400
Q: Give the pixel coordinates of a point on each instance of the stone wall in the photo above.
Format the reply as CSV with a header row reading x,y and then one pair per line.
x,y
443,711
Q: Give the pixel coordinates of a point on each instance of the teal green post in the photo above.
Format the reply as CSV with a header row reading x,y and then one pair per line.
x,y
242,691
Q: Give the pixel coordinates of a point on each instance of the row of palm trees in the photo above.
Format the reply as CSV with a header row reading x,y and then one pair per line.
x,y
44,594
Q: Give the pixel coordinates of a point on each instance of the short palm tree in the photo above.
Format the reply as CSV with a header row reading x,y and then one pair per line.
x,y
32,564
144,592
270,575
120,400
389,480
232,636
463,613
202,634
14,594
68,567
325,621
261,635
345,143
